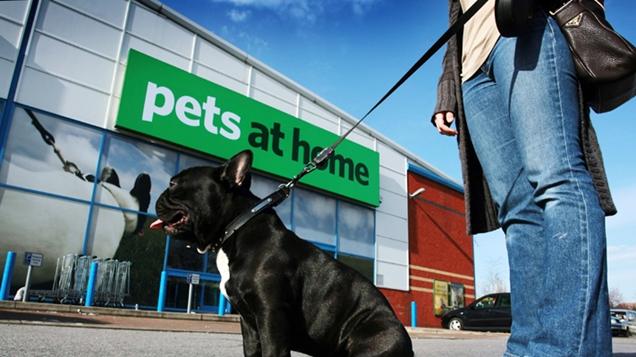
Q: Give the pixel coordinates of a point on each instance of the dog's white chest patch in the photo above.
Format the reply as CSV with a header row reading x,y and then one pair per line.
x,y
222,263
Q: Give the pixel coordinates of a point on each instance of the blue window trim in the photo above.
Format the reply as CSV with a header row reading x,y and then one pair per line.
x,y
166,252
375,250
337,251
426,173
356,256
323,246
204,276
7,114
72,199
91,206
183,273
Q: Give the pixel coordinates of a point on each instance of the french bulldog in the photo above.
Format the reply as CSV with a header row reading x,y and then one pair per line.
x,y
290,294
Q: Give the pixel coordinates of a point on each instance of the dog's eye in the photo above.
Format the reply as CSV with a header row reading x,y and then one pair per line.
x,y
172,184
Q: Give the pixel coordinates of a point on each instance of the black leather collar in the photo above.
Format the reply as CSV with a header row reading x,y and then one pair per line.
x,y
273,200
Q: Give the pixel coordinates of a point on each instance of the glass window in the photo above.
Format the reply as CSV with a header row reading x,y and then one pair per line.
x,y
315,217
363,266
456,295
182,257
356,233
205,296
211,266
144,249
262,187
503,301
32,163
37,223
440,297
485,303
356,230
179,255
133,174
187,161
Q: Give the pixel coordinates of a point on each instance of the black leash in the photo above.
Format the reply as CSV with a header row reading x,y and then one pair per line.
x,y
49,139
278,196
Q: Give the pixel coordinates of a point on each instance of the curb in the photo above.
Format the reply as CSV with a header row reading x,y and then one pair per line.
x,y
427,332
196,319
107,327
46,307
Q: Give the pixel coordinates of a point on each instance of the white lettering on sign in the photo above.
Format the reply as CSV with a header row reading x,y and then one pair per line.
x,y
161,101
33,259
188,105
150,104
193,279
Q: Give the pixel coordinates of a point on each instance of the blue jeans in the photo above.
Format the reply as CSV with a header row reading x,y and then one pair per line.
x,y
522,113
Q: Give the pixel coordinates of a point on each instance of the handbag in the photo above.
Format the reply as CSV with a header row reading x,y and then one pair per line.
x,y
605,61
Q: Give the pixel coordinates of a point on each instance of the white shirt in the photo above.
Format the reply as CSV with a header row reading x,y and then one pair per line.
x,y
480,36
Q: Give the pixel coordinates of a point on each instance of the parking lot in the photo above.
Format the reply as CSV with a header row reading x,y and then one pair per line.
x,y
55,340
34,329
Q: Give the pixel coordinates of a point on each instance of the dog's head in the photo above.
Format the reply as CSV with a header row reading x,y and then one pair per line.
x,y
200,201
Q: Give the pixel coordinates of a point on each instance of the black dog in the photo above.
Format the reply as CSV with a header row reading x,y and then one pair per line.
x,y
291,295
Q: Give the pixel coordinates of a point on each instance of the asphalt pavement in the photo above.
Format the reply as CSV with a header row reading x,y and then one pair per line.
x,y
33,329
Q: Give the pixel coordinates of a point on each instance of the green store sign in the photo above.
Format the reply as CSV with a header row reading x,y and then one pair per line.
x,y
167,103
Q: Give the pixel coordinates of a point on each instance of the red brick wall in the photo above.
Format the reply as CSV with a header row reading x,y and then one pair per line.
x,y
439,249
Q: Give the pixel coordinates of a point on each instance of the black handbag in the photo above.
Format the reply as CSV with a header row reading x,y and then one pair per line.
x,y
605,61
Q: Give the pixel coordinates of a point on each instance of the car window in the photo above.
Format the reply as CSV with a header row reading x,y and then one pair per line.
x,y
619,315
485,303
503,300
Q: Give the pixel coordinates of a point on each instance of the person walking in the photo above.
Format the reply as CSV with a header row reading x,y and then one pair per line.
x,y
531,165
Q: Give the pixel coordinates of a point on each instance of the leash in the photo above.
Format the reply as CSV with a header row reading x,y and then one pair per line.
x,y
49,139
283,191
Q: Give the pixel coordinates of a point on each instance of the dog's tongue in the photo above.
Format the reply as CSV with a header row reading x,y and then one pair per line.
x,y
158,224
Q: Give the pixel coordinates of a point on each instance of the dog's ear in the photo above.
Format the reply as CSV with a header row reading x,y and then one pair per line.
x,y
236,169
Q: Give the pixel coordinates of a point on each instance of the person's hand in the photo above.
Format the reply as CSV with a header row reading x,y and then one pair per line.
x,y
443,121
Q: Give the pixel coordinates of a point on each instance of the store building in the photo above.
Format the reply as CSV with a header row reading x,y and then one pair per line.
x,y
102,102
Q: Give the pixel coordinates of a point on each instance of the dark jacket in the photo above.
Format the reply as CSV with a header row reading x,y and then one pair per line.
x,y
481,213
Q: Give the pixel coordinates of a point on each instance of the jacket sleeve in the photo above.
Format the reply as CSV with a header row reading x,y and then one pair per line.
x,y
446,99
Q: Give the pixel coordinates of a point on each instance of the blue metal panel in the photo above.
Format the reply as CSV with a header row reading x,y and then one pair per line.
x,y
413,314
163,285
91,285
221,309
7,274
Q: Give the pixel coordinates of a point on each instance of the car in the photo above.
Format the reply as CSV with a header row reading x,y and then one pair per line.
x,y
488,313
625,323
619,327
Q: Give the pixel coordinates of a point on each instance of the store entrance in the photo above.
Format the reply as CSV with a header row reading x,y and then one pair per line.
x,y
180,262
205,295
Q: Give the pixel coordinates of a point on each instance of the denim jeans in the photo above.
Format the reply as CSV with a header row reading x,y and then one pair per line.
x,y
522,113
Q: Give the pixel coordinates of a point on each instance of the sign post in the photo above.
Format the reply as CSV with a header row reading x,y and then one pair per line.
x,y
193,279
31,260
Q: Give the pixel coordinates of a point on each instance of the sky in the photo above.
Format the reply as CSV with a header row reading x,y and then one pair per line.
x,y
350,52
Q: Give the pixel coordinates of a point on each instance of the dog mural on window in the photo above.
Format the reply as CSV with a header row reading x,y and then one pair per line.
x,y
53,219
56,227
